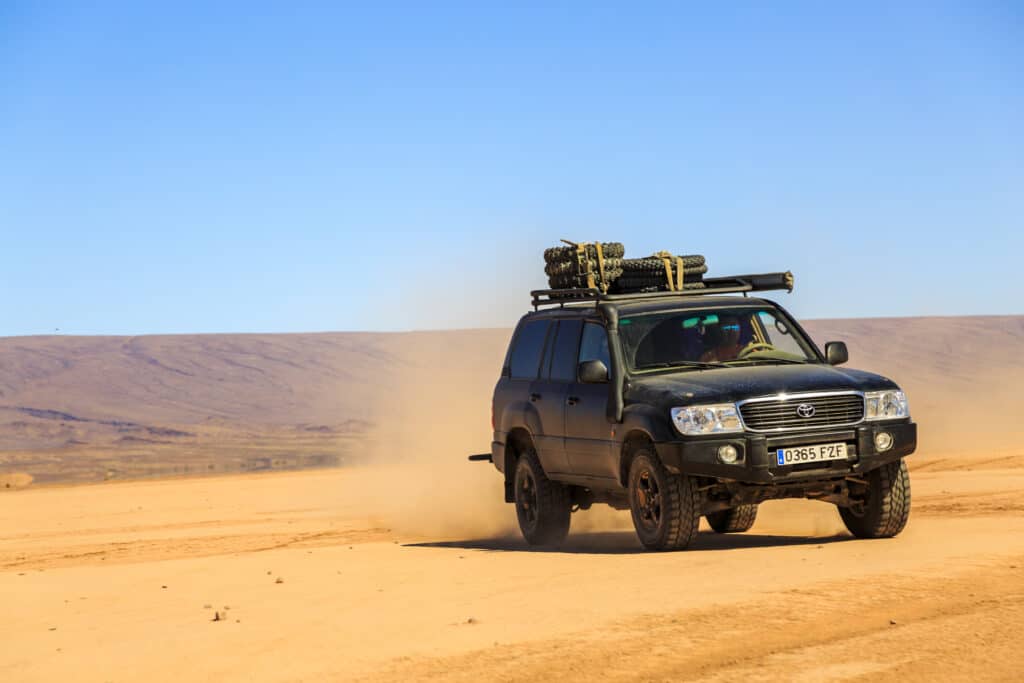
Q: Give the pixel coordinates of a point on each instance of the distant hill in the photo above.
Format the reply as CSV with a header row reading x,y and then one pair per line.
x,y
80,408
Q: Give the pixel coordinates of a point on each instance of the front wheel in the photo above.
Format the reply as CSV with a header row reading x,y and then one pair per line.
x,y
884,510
665,506
542,506
734,520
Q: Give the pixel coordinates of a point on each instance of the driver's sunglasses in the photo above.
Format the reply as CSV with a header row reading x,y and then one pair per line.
x,y
730,327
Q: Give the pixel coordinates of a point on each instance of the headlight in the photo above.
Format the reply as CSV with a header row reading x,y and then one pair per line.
x,y
885,405
710,419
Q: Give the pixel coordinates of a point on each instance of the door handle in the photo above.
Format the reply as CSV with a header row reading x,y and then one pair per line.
x,y
572,400
535,397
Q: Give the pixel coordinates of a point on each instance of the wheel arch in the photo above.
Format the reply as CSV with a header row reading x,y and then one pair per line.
x,y
517,442
636,440
642,425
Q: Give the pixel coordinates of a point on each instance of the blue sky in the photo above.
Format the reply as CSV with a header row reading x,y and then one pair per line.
x,y
295,167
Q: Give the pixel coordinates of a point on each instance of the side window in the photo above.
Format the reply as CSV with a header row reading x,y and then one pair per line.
x,y
595,344
563,362
779,335
524,361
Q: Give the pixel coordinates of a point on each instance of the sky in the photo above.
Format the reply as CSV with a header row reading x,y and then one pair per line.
x,y
283,167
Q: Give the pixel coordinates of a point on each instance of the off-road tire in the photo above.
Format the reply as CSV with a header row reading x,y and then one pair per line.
x,y
659,280
674,524
887,506
581,281
734,520
628,285
694,262
647,271
571,267
608,250
550,502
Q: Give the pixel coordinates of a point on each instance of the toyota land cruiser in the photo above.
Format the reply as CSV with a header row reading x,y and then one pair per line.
x,y
678,405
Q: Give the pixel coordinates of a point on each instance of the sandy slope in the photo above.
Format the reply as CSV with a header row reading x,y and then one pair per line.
x,y
122,581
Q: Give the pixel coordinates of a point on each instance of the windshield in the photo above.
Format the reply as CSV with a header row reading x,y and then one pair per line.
x,y
711,338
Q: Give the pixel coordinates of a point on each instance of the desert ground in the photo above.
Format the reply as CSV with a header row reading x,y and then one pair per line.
x,y
395,559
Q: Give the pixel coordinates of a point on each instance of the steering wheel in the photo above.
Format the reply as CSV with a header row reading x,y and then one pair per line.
x,y
754,347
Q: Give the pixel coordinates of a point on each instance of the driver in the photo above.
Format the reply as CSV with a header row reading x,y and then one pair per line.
x,y
726,339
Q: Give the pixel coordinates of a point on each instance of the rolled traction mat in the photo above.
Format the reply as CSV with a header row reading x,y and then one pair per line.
x,y
621,287
609,250
580,281
692,262
571,267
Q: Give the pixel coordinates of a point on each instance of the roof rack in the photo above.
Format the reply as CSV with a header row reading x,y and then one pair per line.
x,y
734,284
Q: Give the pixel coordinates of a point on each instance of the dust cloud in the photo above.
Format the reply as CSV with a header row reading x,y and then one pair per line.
x,y
973,418
434,413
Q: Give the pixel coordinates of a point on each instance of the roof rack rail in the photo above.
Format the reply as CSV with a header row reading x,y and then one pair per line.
x,y
734,284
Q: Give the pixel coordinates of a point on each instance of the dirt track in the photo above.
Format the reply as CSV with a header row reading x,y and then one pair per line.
x,y
121,582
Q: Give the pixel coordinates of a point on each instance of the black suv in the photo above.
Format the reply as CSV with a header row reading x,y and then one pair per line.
x,y
679,405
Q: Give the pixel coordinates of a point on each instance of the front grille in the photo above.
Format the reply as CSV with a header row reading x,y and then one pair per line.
x,y
778,415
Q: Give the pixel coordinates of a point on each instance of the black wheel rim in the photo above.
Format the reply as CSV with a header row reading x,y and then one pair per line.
x,y
648,500
526,499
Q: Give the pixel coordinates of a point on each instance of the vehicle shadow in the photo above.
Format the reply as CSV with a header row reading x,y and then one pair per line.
x,y
626,543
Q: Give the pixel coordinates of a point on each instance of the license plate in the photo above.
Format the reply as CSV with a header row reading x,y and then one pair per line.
x,y
818,453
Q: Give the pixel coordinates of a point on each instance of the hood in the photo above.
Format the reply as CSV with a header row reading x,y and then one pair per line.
x,y
727,385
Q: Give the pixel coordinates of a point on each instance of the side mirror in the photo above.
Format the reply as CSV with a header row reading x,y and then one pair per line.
x,y
836,353
592,372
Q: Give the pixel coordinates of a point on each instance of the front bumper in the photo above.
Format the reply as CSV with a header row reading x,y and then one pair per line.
x,y
757,464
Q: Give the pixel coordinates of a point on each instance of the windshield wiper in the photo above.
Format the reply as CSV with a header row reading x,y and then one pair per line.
x,y
682,364
770,360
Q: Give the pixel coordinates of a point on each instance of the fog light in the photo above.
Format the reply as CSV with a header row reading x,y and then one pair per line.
x,y
883,441
727,454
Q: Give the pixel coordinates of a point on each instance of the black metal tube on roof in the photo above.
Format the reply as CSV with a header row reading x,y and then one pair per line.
x,y
735,284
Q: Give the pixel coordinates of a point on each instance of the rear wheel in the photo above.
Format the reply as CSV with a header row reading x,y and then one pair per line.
x,y
734,520
665,506
542,506
885,508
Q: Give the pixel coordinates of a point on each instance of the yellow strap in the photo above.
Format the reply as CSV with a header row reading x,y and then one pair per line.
x,y
579,255
583,263
666,258
668,273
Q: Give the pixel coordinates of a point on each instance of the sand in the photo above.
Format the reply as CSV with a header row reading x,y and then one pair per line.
x,y
123,582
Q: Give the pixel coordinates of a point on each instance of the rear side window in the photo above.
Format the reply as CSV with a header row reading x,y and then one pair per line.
x,y
563,361
524,361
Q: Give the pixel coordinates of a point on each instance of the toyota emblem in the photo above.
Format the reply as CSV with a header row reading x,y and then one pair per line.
x,y
805,410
